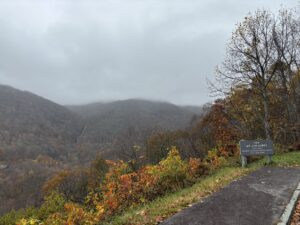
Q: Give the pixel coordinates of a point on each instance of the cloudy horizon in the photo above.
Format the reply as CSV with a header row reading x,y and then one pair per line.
x,y
76,52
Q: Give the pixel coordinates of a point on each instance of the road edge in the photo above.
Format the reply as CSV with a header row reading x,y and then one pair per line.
x,y
286,216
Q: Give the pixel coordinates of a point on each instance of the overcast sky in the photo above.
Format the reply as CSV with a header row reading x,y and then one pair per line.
x,y
79,51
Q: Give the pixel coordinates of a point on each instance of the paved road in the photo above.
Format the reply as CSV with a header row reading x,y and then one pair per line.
x,y
257,199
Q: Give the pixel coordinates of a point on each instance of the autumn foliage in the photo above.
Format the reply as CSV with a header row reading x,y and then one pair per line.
x,y
121,189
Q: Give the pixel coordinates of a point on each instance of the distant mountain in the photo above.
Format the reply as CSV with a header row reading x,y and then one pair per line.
x,y
197,110
114,126
36,135
31,125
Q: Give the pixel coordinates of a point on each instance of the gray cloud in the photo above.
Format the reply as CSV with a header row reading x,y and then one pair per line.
x,y
82,51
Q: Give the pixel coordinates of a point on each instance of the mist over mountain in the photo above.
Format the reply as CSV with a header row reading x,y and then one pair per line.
x,y
31,125
113,127
39,137
36,136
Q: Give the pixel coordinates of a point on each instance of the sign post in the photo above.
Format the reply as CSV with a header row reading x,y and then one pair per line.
x,y
256,147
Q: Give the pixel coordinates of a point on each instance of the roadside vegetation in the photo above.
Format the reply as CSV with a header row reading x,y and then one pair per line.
x,y
147,196
296,214
170,204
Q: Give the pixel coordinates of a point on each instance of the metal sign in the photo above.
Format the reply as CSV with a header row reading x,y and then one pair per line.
x,y
256,147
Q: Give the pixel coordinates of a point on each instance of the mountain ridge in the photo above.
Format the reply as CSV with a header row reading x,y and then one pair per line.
x,y
39,137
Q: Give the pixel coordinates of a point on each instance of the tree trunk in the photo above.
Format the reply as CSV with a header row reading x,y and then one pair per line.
x,y
294,102
286,98
266,114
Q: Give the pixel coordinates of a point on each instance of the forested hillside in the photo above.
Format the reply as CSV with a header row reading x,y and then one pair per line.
x,y
39,137
36,136
32,126
114,128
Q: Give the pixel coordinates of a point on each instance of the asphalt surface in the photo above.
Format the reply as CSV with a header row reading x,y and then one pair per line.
x,y
257,199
